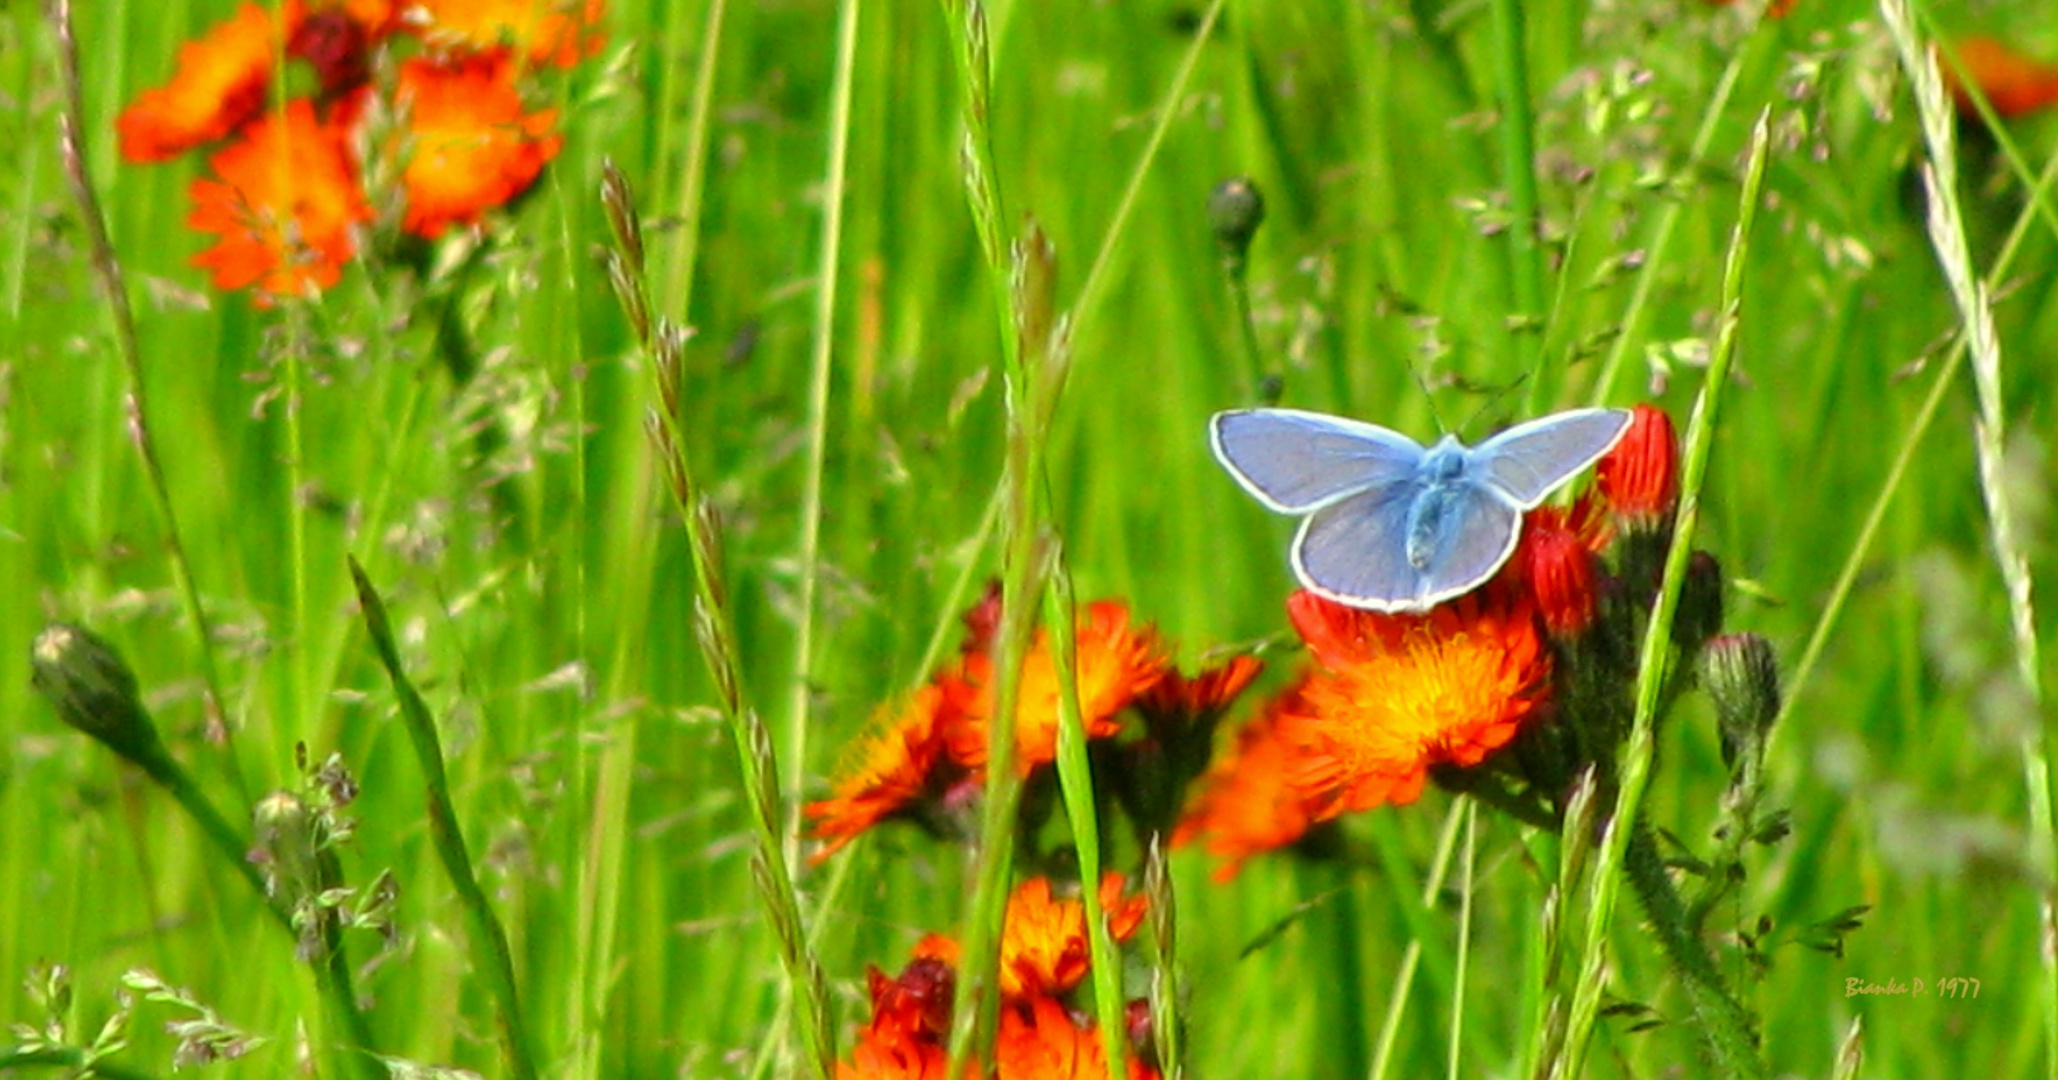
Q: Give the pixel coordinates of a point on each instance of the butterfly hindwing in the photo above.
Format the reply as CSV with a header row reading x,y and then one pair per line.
x,y
1355,551
1296,462
1529,461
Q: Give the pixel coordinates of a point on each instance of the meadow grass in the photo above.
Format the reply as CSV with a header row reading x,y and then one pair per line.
x,y
849,343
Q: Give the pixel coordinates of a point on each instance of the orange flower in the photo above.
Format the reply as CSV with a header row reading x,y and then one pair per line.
x,y
473,148
1775,9
897,769
1640,476
910,1023
1248,803
1043,946
1403,692
284,206
1115,663
221,81
1555,563
2013,83
545,31
1208,692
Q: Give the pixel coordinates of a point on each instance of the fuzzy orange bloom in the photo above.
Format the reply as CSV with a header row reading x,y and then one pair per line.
x,y
1210,691
896,769
472,146
1640,476
1039,1039
1403,692
1115,663
2012,83
906,1039
557,32
220,84
1248,803
284,206
1043,947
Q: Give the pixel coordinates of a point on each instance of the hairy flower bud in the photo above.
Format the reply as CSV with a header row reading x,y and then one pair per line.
x,y
93,690
1640,476
1742,676
1235,210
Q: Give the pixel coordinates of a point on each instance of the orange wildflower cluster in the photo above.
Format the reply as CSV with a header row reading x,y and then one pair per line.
x,y
1042,1036
288,198
928,759
1392,697
2014,84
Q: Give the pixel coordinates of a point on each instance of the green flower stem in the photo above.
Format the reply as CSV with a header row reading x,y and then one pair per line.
x,y
72,1059
1518,169
72,146
663,343
1726,1026
799,715
1654,667
490,952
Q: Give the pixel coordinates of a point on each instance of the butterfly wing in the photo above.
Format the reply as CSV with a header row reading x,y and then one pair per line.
x,y
1529,461
1355,551
1296,462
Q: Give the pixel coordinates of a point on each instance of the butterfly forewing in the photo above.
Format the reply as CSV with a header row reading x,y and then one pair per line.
x,y
1529,461
1355,551
1295,462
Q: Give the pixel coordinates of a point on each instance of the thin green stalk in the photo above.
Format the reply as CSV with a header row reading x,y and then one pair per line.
x,y
1088,301
605,855
685,248
976,1006
1075,778
663,343
1411,957
74,1060
1727,1029
1466,888
1658,247
490,953
107,267
798,718
1518,175
1167,1027
1910,443
1970,295
296,526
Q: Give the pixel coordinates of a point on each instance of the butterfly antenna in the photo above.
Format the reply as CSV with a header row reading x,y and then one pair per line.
x,y
1495,399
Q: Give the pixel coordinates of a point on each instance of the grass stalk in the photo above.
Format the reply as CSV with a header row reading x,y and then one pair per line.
x,y
975,1009
490,954
1075,780
1910,443
663,344
1970,295
1724,1025
1658,246
1517,129
107,269
1166,1024
799,713
1411,957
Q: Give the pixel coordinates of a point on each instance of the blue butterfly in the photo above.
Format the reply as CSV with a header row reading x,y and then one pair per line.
x,y
1394,527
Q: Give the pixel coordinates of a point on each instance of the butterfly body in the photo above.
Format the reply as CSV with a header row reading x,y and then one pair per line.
x,y
1391,526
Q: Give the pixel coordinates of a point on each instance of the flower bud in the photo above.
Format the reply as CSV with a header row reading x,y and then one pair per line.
x,y
93,690
1560,571
1700,602
285,846
1235,210
1742,676
1640,476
